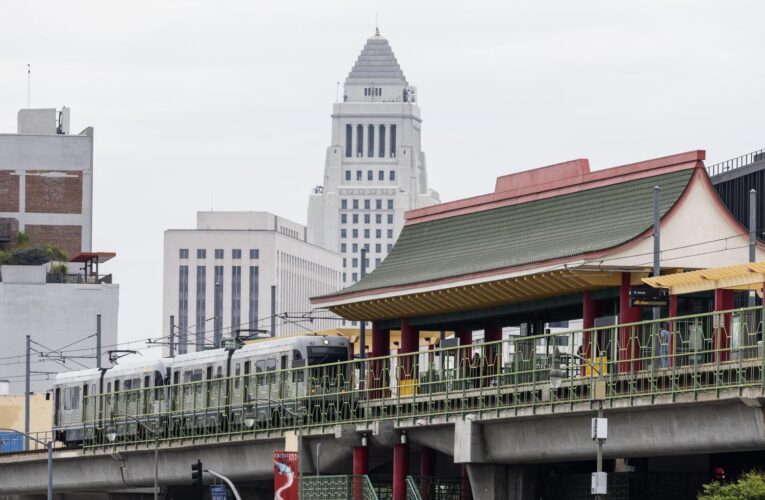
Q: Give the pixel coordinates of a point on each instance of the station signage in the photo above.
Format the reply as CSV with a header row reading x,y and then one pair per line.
x,y
648,296
285,475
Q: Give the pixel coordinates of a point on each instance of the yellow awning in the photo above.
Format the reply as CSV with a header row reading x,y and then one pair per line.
x,y
750,276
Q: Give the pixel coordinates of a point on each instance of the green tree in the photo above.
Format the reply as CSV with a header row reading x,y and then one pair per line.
x,y
22,239
750,486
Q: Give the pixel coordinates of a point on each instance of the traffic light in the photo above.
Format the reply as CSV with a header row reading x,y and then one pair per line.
x,y
196,474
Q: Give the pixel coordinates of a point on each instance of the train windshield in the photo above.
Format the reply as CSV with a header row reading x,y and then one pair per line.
x,y
319,355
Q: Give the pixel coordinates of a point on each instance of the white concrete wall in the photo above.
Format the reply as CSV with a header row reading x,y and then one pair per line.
x,y
54,315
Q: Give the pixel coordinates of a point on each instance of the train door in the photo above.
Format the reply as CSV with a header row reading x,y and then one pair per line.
x,y
175,392
283,382
209,388
85,403
246,397
117,398
147,394
56,405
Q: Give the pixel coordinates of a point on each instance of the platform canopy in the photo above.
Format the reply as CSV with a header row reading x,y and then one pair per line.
x,y
547,232
742,277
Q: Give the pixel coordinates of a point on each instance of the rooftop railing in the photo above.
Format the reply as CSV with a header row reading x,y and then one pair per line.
x,y
734,163
675,359
78,279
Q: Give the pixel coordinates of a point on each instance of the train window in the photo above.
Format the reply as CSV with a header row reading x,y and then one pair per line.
x,y
128,384
146,382
196,376
271,367
259,367
237,372
209,372
67,401
187,383
219,372
284,362
108,387
75,398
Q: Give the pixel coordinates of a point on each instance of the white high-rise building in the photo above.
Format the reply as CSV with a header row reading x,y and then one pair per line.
x,y
219,276
375,168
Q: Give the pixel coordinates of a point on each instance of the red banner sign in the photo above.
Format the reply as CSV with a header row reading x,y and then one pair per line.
x,y
285,475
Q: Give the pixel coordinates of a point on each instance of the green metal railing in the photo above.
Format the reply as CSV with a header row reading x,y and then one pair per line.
x,y
336,488
440,488
718,354
412,491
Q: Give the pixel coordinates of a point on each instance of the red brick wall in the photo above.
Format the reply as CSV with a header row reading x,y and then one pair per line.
x,y
68,238
14,232
59,194
9,191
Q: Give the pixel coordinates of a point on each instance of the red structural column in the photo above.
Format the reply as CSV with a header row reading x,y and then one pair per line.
x,y
588,322
400,470
409,344
723,302
672,314
629,346
379,376
464,483
360,468
427,470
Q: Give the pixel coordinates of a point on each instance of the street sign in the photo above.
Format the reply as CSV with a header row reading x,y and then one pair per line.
x,y
648,296
218,492
286,475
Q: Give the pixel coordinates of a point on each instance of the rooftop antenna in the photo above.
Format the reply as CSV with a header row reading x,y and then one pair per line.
x,y
377,26
337,92
29,84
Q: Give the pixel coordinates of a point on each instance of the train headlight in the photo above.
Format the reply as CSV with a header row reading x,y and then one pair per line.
x,y
249,417
111,433
325,341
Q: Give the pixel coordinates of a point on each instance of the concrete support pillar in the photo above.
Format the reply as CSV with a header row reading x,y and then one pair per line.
x,y
400,470
496,481
629,345
723,302
360,468
589,313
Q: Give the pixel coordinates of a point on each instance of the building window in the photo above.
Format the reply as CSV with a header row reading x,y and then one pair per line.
x,y
254,253
366,247
378,232
381,149
355,277
253,300
378,260
348,141
183,308
347,175
381,175
392,175
366,204
343,233
355,218
201,305
355,204
392,141
355,262
183,253
345,277
343,219
343,247
390,233
359,140
218,253
358,175
378,248
218,306
355,233
201,253
390,204
236,253
370,141
344,202
366,233
370,175
378,219
390,247
378,204
236,298
366,218
390,218
345,262
355,248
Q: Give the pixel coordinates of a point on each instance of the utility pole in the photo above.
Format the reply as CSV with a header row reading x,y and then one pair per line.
x,y
656,242
26,395
172,336
363,327
752,235
98,341
273,311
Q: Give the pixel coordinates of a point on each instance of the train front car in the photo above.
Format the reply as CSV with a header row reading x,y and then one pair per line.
x,y
73,409
328,377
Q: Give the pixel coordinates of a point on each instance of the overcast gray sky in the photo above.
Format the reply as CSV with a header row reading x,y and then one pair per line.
x,y
226,104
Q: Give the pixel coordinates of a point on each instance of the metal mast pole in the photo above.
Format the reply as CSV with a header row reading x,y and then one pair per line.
x,y
98,341
26,395
172,336
752,234
49,445
273,311
656,242
363,327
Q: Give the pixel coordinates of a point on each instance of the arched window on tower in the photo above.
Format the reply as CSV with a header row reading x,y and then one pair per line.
x,y
370,141
348,141
382,141
359,140
392,141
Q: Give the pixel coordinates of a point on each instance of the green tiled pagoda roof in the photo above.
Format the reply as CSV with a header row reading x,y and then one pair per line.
x,y
563,226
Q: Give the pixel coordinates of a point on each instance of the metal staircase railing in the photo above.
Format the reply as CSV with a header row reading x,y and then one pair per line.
x,y
337,488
